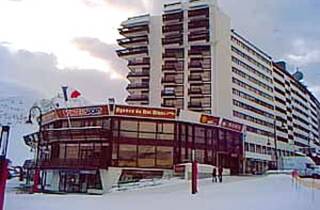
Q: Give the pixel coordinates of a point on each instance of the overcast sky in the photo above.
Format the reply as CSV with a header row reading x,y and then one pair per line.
x,y
48,43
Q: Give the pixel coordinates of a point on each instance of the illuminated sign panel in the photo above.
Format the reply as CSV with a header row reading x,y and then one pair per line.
x,y
145,112
75,112
231,125
208,119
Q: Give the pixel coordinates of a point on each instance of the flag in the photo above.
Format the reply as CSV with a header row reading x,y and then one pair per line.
x,y
70,93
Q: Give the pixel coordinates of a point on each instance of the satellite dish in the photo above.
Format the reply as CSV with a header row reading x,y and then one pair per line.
x,y
298,75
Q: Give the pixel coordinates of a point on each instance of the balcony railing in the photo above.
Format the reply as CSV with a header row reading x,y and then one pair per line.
x,y
145,62
195,105
198,24
172,28
169,80
172,40
199,12
137,98
132,51
168,93
196,91
138,74
133,40
138,86
174,16
136,29
172,67
199,35
199,50
195,78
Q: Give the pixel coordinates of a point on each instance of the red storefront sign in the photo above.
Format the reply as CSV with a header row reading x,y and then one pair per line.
x,y
75,112
208,119
231,125
145,112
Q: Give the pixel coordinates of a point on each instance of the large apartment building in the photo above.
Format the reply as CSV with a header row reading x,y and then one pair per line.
x,y
189,58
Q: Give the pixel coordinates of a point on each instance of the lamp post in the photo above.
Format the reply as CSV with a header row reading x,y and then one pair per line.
x,y
36,177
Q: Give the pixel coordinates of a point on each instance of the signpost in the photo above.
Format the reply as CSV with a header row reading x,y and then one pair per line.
x,y
4,139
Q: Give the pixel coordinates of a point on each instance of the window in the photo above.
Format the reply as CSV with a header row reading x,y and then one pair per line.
x,y
127,155
199,133
129,128
147,130
72,151
165,131
146,156
164,157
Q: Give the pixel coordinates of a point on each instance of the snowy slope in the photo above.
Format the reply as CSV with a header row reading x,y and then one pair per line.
x,y
276,192
15,102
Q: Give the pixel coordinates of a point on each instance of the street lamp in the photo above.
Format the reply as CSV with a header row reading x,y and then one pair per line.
x,y
37,169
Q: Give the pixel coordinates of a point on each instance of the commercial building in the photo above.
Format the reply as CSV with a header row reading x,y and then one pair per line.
x,y
90,149
191,59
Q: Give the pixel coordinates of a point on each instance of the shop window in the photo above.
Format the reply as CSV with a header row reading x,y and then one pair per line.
x,y
199,133
165,131
127,155
62,151
72,151
129,128
199,155
146,156
147,130
164,157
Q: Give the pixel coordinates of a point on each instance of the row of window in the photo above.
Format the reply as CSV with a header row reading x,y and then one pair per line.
x,y
259,131
251,60
252,79
300,120
252,119
252,109
251,98
249,68
266,150
252,89
301,104
253,52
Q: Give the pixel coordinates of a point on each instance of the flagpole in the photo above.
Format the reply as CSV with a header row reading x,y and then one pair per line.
x,y
64,89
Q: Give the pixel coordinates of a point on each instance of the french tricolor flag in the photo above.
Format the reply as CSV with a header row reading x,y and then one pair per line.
x,y
70,93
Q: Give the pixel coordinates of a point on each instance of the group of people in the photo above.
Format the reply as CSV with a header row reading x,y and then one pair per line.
x,y
214,174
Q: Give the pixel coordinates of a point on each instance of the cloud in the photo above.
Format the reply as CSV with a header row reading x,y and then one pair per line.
x,y
101,50
39,71
304,54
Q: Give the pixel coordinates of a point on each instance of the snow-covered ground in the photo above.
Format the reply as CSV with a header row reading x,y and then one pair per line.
x,y
274,192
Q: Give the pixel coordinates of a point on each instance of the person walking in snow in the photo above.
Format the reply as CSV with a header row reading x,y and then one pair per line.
x,y
220,171
214,174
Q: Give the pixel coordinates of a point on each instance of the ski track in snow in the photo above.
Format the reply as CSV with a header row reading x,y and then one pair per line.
x,y
276,192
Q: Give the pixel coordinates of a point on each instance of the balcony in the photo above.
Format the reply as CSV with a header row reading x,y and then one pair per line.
x,y
138,86
169,79
172,40
195,78
198,12
195,104
131,98
134,30
172,67
138,74
168,93
173,17
199,51
144,63
132,51
195,91
172,28
202,35
139,40
193,24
